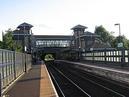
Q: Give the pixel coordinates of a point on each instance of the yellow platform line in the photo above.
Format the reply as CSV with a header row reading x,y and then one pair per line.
x,y
47,88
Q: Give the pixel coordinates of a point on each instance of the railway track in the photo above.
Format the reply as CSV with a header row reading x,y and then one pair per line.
x,y
93,85
65,86
97,88
115,86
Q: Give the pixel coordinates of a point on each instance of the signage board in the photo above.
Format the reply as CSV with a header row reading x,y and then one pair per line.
x,y
120,44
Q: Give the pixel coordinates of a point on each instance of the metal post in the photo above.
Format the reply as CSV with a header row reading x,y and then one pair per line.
x,y
25,64
0,86
119,34
105,56
118,24
2,71
93,57
123,58
128,57
119,30
14,67
24,39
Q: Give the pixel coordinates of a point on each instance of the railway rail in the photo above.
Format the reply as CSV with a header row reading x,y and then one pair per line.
x,y
111,85
65,86
93,85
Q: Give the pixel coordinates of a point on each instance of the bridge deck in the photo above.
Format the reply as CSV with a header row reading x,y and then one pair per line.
x,y
36,83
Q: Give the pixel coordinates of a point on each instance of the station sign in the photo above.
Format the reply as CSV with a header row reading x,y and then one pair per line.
x,y
120,44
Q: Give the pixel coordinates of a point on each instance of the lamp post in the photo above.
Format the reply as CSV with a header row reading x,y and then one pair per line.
x,y
120,44
24,45
118,24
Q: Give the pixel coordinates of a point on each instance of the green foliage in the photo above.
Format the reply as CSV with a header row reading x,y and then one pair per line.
x,y
105,36
17,47
1,43
101,31
8,42
111,38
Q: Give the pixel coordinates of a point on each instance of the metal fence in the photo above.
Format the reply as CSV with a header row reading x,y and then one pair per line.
x,y
12,65
107,56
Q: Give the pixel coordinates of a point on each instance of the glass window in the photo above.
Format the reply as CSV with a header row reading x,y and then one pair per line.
x,y
53,43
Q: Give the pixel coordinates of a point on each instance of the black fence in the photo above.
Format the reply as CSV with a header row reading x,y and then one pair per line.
x,y
107,56
12,65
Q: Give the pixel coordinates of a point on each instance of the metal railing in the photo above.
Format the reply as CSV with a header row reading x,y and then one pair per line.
x,y
12,65
107,56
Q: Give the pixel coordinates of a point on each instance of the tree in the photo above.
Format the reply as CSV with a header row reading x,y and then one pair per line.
x,y
8,42
18,47
1,43
111,38
105,35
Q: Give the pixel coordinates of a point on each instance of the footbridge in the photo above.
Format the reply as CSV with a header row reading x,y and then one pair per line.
x,y
51,44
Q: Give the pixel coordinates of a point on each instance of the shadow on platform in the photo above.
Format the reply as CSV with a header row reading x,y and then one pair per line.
x,y
29,85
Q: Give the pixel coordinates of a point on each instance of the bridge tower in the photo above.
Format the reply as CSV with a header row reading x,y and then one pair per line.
x,y
23,36
78,32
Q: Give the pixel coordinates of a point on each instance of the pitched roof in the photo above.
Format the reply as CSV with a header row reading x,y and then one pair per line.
x,y
25,25
79,26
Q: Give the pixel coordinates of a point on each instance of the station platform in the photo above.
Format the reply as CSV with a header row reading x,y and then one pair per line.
x,y
35,83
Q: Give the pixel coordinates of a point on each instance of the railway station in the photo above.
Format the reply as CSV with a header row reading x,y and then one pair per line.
x,y
78,65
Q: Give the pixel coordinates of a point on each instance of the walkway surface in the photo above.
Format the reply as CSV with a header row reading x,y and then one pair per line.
x,y
35,83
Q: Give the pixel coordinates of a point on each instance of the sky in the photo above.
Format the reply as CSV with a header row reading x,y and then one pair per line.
x,y
57,17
